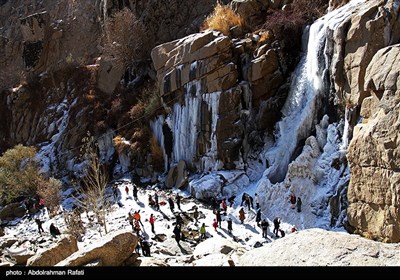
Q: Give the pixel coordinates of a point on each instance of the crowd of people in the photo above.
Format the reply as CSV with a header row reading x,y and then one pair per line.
x,y
219,207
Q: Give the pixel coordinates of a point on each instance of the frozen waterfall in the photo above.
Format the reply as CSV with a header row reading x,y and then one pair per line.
x,y
307,89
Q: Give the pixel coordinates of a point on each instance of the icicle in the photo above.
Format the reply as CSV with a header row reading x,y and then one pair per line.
x,y
345,137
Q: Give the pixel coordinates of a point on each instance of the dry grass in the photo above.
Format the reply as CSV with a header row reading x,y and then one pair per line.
x,y
223,19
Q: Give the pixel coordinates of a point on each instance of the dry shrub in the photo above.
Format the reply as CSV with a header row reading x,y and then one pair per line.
x,y
120,144
265,37
126,39
287,25
137,111
116,105
156,154
338,3
223,18
50,190
138,134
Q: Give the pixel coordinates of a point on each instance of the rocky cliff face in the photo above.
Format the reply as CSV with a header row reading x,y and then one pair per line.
x,y
374,192
221,94
365,73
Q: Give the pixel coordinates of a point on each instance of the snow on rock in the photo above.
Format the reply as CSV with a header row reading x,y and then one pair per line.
x,y
225,183
150,261
215,245
112,250
317,247
213,260
56,253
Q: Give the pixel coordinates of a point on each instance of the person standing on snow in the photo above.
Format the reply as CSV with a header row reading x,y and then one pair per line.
x,y
243,199
196,215
39,224
258,216
230,226
135,191
151,220
171,204
224,206
277,222
219,218
241,215
177,233
178,201
231,200
127,192
257,200
293,200
264,226
203,231
298,204
54,231
157,206
215,224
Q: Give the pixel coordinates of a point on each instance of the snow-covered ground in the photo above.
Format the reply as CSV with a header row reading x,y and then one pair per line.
x,y
245,235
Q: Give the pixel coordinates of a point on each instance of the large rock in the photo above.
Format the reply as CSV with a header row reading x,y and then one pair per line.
x,y
113,250
374,151
12,211
317,247
58,252
215,245
357,40
202,55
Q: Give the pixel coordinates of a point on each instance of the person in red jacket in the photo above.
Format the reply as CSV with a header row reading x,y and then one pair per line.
x,y
215,224
151,220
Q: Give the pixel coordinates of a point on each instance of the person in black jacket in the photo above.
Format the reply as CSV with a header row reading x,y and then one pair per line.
x,y
177,233
54,231
277,222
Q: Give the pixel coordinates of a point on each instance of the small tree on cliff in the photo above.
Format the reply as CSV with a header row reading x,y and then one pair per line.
x,y
126,39
92,193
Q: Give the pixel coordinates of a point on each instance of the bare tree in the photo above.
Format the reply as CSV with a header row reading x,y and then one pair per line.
x,y
92,196
74,224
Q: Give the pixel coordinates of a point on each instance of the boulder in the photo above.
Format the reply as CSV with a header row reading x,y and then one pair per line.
x,y
7,242
19,255
171,177
113,250
181,179
318,247
56,253
12,211
215,245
